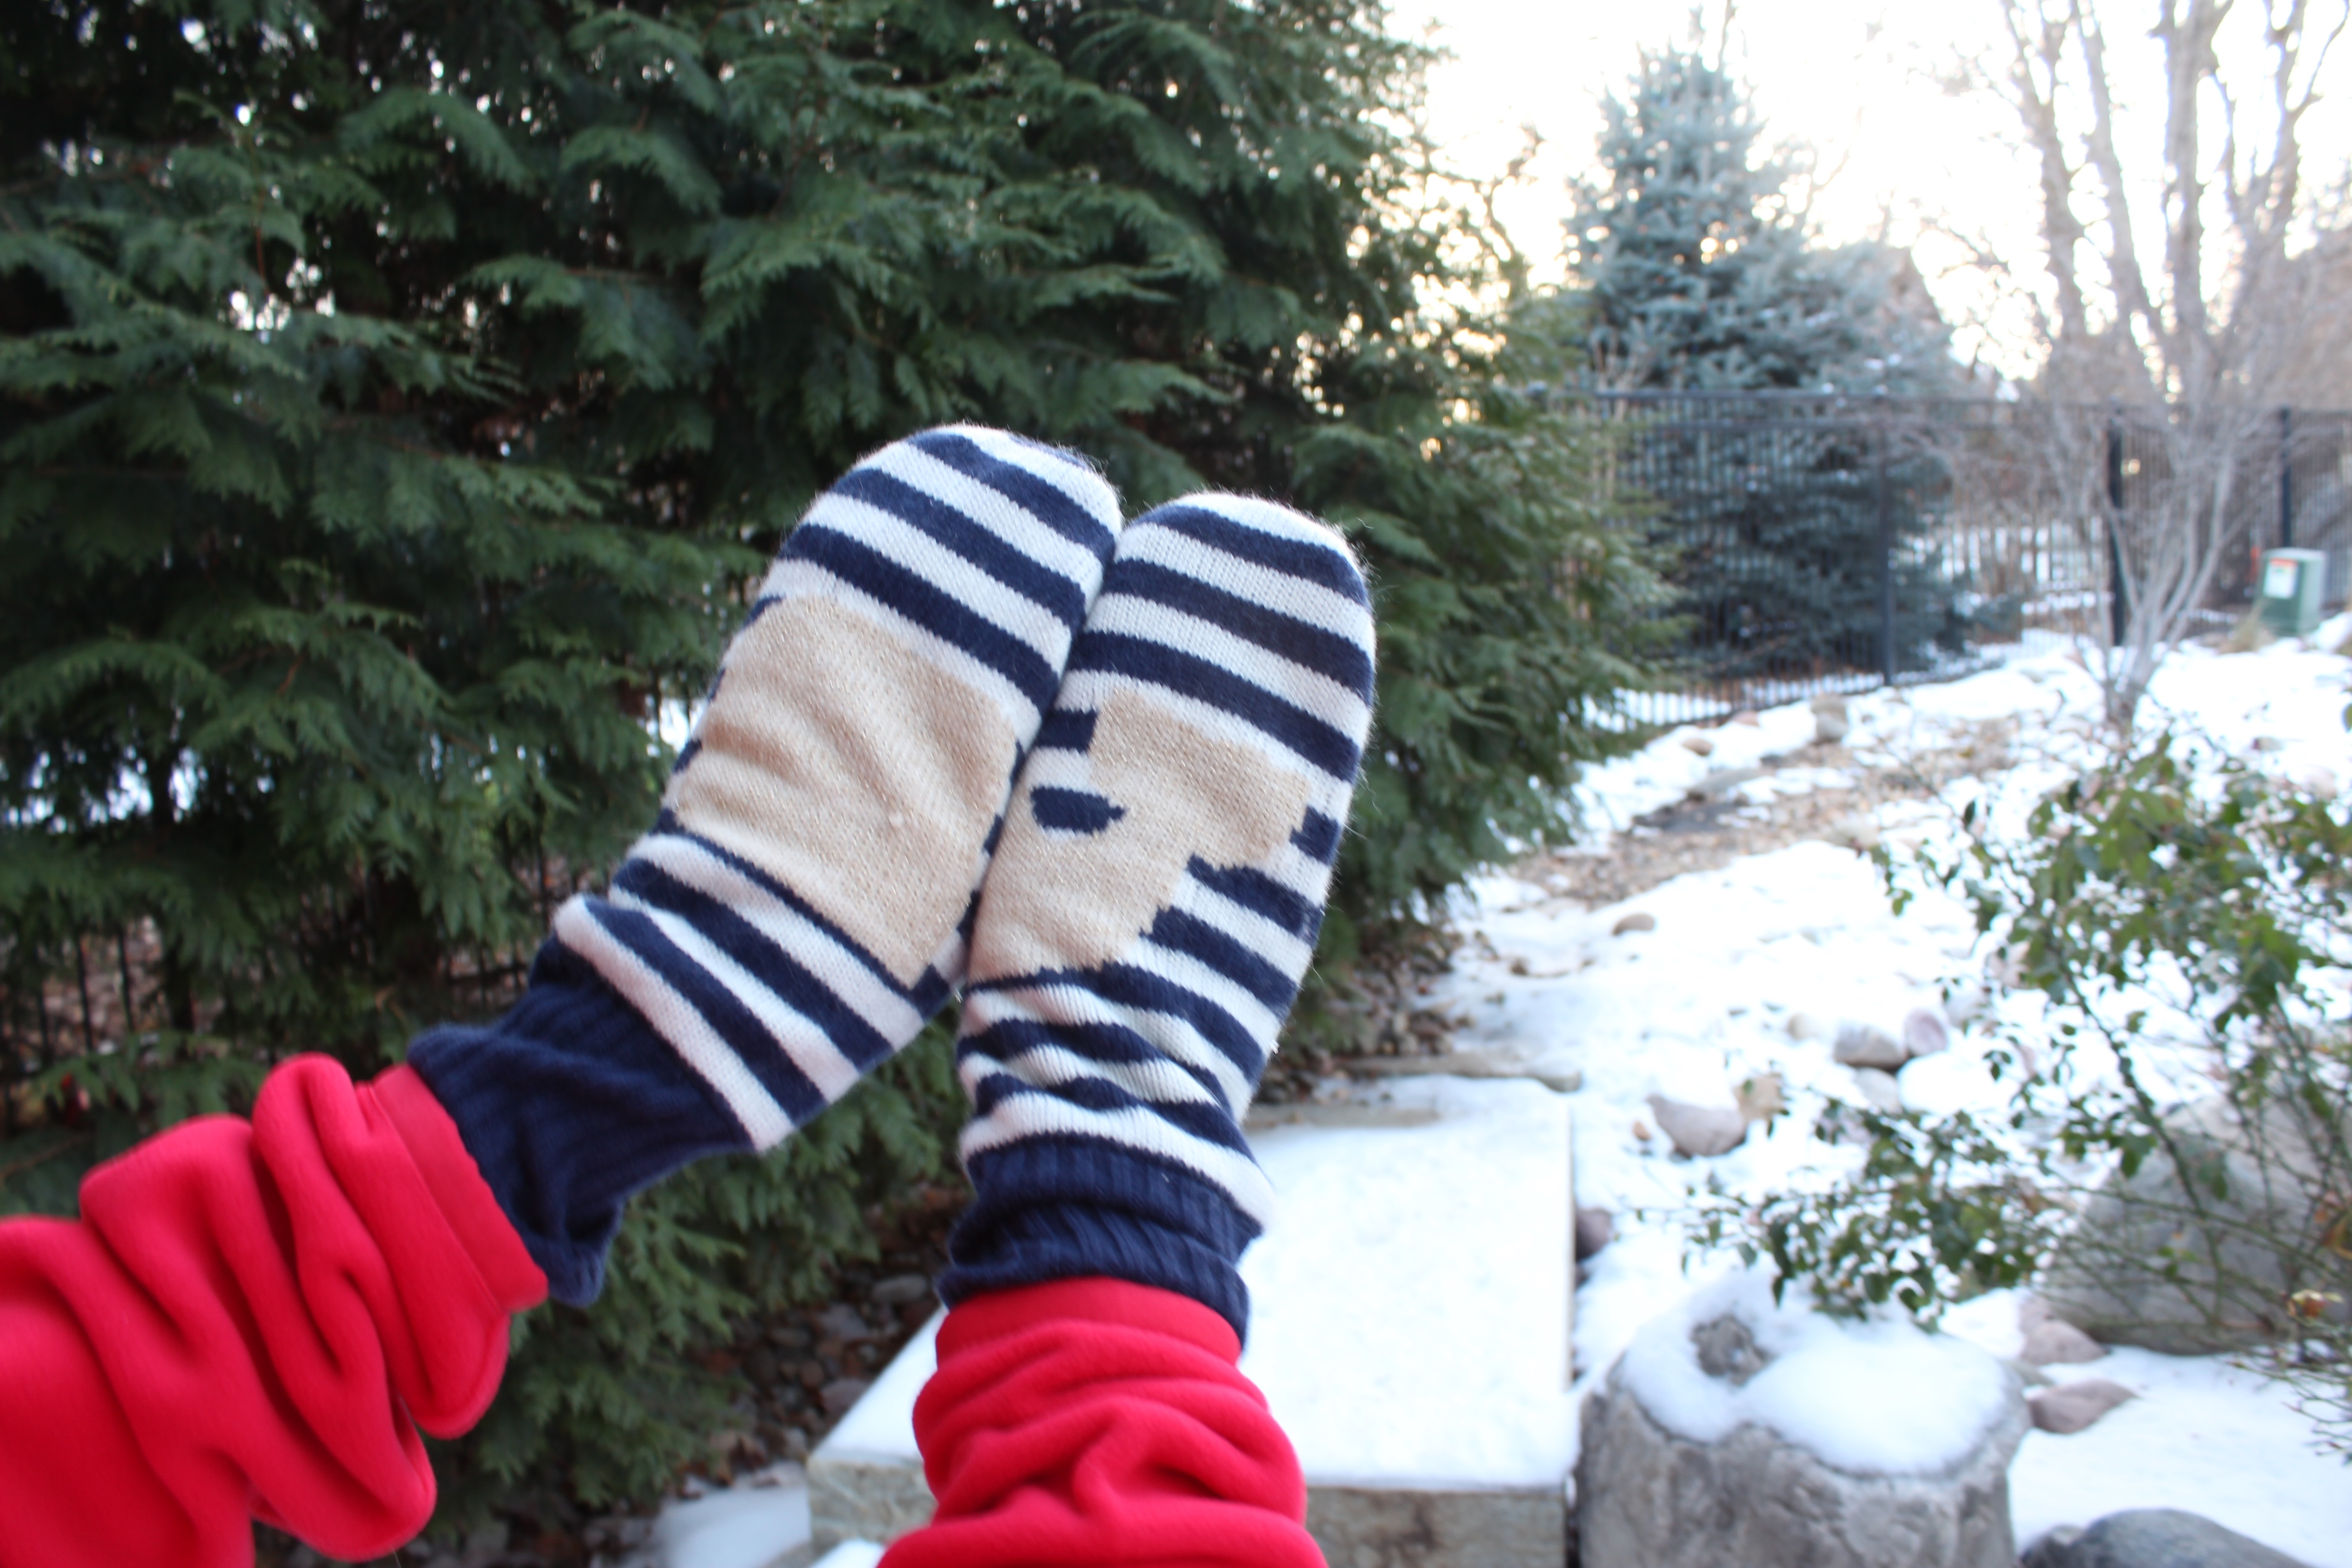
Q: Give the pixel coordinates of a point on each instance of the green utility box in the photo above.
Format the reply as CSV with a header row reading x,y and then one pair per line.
x,y
2292,583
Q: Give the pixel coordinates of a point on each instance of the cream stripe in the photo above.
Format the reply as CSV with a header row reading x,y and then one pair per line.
x,y
999,515
840,969
1294,597
1013,614
799,1037
1086,487
1035,1115
1270,517
1125,616
1063,1005
1252,930
1049,1067
676,1021
1197,977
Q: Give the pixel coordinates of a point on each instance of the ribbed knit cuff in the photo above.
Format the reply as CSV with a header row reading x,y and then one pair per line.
x,y
570,1105
1076,1208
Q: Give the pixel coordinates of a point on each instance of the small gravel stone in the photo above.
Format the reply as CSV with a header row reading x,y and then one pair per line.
x,y
2070,1408
900,1290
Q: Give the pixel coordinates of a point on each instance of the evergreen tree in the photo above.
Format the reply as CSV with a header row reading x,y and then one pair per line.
x,y
1697,274
394,399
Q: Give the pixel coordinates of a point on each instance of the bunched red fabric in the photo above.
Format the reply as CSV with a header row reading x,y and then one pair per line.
x,y
1094,1421
251,1321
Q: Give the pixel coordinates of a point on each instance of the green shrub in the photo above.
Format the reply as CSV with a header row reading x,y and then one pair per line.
x,y
2181,1127
393,401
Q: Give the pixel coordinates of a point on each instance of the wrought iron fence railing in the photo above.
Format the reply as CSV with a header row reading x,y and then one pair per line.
x,y
1825,543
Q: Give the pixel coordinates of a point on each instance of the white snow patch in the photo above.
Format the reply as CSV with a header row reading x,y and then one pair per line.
x,y
852,1554
1705,1000
1410,1302
755,1523
2203,1435
1872,1397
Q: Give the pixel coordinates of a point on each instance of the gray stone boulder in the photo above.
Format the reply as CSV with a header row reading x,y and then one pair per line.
x,y
2193,1271
2153,1537
1648,1497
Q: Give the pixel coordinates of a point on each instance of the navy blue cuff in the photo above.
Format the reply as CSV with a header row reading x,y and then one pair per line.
x,y
570,1105
1074,1208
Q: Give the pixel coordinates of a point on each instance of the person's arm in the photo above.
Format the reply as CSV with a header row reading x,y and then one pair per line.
x,y
251,1320
1153,903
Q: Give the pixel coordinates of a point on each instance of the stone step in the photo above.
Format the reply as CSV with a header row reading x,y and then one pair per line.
x,y
1410,1326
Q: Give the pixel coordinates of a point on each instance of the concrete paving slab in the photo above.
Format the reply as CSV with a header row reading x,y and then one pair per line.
x,y
1410,1325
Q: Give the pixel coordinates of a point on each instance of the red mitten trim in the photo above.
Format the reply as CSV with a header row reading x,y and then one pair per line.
x,y
1094,1421
244,1323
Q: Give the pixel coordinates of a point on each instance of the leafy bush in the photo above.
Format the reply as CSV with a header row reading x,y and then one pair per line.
x,y
2181,915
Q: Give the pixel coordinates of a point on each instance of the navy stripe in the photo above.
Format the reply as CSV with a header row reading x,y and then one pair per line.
x,y
729,1019
1320,564
921,601
1318,836
1124,986
1196,937
1209,1124
667,825
1111,1043
1047,502
1068,730
777,968
1189,675
937,519
1259,893
1073,810
1326,653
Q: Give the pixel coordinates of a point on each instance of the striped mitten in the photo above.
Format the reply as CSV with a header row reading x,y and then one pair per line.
x,y
799,910
1154,903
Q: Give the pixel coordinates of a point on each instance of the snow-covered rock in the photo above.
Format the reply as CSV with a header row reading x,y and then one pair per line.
x,y
2154,1537
1735,1430
1701,1131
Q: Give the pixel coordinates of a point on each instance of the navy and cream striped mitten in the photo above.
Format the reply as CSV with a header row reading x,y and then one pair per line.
x,y
1154,903
799,910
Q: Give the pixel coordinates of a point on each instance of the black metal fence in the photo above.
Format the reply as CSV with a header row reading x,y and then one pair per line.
x,y
1828,544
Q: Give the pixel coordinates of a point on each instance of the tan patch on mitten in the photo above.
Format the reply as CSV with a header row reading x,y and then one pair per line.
x,y
1062,901
849,767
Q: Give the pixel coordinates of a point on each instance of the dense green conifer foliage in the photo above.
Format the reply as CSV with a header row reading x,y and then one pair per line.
x,y
395,398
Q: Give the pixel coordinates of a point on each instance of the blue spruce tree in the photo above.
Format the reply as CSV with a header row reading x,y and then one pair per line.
x,y
1698,275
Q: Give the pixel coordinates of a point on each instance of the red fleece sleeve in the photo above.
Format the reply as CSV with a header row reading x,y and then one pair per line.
x,y
245,1323
1093,1421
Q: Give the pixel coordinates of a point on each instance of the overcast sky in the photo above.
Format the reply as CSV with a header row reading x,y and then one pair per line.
x,y
1861,81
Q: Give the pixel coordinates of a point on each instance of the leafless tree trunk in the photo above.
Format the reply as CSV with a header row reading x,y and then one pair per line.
x,y
2246,309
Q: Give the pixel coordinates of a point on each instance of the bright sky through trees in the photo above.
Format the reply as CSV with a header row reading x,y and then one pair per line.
x,y
1866,83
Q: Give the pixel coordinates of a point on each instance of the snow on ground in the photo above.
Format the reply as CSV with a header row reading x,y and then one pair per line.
x,y
1691,1008
1705,1000
751,1524
852,1554
1409,1301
